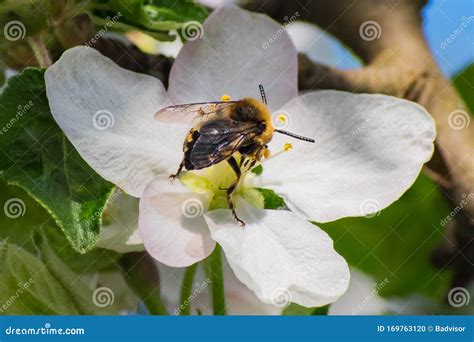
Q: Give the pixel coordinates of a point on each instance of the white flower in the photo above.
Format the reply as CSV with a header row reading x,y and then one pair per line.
x,y
367,147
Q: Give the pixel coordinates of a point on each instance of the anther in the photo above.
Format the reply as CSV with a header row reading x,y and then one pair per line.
x,y
281,118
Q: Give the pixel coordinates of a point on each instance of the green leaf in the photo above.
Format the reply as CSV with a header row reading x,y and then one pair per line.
x,y
257,169
464,83
80,293
97,259
397,244
153,17
36,156
298,310
33,287
271,199
30,218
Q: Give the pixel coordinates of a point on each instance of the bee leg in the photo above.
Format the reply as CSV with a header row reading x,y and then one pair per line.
x,y
177,172
252,164
233,164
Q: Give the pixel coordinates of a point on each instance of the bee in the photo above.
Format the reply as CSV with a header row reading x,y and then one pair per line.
x,y
243,126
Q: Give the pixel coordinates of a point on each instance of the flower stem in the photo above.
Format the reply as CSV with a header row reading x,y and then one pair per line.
x,y
142,276
186,288
215,273
40,51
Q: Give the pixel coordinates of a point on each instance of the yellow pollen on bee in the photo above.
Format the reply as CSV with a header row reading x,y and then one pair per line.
x,y
281,118
225,98
267,153
287,147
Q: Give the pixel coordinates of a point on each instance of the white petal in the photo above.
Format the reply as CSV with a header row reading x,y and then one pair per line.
x,y
119,230
369,150
171,224
238,51
280,256
107,113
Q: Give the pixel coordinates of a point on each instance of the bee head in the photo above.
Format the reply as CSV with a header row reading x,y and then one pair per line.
x,y
250,110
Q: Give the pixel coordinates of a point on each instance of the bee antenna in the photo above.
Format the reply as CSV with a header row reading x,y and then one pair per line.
x,y
296,136
262,93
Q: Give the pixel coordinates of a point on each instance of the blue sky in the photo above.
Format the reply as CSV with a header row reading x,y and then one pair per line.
x,y
455,18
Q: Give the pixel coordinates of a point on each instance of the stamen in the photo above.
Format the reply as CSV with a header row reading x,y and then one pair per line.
x,y
281,119
225,98
286,148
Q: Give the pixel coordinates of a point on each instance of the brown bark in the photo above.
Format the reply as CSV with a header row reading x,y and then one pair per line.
x,y
398,63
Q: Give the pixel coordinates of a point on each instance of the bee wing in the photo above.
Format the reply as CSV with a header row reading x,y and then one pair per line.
x,y
193,112
219,139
